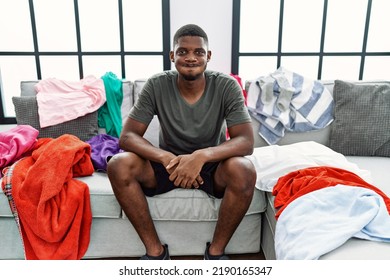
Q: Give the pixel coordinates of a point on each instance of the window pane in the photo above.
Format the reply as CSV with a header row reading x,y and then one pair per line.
x,y
378,38
345,25
15,26
142,67
259,26
13,70
56,28
99,25
302,26
60,67
344,68
377,68
306,66
142,21
254,67
99,65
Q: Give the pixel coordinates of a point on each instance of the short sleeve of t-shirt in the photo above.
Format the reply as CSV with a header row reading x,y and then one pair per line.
x,y
144,108
235,110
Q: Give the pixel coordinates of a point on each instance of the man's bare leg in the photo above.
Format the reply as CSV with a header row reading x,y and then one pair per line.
x,y
126,172
238,177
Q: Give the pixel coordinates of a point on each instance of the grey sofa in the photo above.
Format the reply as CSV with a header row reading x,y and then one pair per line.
x,y
185,219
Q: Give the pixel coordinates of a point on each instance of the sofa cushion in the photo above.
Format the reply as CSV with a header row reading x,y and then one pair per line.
x,y
128,99
5,210
27,88
378,167
353,248
138,85
194,205
361,119
26,111
103,201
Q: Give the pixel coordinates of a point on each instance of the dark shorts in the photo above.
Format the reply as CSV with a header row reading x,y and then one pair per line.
x,y
165,185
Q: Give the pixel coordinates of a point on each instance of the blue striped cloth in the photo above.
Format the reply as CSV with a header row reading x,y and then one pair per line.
x,y
285,100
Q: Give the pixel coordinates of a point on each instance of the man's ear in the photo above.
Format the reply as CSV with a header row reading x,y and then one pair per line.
x,y
172,56
208,55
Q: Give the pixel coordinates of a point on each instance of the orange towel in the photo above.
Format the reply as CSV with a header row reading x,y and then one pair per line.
x,y
303,181
54,209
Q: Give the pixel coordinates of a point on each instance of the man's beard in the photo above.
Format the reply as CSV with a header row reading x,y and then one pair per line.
x,y
193,77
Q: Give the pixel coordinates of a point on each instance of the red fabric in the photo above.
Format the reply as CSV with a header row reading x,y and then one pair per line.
x,y
240,83
244,93
300,182
54,209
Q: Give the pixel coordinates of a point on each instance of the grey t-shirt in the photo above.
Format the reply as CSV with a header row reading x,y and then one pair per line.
x,y
186,127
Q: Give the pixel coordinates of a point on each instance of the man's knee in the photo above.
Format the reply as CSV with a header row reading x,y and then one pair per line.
x,y
241,167
114,164
122,166
240,173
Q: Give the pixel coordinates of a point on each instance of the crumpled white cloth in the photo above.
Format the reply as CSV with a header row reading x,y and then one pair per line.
x,y
272,162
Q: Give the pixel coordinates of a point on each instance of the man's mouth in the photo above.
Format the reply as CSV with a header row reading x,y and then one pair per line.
x,y
191,65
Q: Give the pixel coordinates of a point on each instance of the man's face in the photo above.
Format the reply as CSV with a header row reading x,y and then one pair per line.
x,y
190,56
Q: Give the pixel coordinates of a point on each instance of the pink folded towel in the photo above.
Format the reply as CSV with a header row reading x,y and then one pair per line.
x,y
60,101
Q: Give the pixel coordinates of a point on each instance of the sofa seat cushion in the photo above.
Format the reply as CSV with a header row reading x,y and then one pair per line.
x,y
179,204
354,248
379,168
359,249
103,200
194,205
5,210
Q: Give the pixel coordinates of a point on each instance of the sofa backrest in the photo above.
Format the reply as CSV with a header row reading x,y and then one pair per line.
x,y
27,89
321,136
130,90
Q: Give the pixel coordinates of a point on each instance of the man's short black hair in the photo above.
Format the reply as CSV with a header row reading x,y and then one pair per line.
x,y
190,30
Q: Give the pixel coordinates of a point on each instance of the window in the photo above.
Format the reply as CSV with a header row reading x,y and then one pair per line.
x,y
320,39
70,39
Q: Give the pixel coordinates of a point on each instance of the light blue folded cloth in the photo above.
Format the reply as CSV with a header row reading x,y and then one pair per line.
x,y
321,221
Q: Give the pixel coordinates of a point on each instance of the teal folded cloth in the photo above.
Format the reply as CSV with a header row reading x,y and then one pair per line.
x,y
109,115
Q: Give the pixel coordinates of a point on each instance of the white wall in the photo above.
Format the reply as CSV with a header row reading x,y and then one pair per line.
x,y
215,17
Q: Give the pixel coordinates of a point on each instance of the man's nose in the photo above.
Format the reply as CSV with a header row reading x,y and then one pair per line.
x,y
190,57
